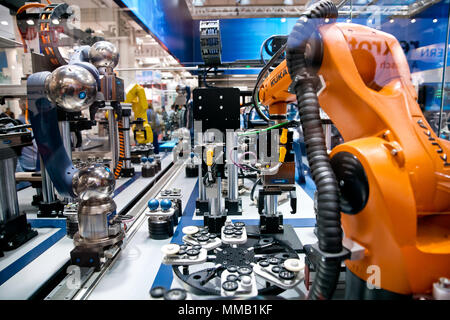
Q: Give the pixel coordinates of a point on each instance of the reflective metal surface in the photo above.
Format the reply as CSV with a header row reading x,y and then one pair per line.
x,y
9,207
93,218
71,87
93,182
104,54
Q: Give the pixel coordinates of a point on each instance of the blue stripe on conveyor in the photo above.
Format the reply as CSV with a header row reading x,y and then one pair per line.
x,y
31,255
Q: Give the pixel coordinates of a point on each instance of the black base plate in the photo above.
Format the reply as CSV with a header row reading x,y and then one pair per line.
x,y
191,172
15,232
51,210
127,172
85,258
202,207
233,207
289,236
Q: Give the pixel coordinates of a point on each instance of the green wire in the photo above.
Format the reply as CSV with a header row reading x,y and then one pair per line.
x,y
263,130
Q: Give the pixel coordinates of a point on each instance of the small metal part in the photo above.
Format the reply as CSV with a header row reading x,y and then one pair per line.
x,y
232,277
276,269
286,275
230,285
232,269
157,292
192,252
263,263
244,270
175,294
274,261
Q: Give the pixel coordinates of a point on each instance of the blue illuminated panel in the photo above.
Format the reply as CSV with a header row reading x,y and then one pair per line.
x,y
169,21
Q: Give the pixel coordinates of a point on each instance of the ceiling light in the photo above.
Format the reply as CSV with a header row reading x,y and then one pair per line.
x,y
5,23
30,22
55,21
198,2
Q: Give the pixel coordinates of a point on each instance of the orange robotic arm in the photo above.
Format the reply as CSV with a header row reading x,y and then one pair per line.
x,y
393,171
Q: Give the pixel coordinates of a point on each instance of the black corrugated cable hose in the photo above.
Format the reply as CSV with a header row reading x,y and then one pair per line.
x,y
120,164
329,217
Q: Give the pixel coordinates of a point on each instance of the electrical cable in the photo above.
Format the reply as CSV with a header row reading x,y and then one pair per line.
x,y
118,168
252,192
20,10
329,217
248,133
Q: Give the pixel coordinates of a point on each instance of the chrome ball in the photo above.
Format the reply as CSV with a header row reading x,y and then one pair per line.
x,y
104,54
71,87
93,182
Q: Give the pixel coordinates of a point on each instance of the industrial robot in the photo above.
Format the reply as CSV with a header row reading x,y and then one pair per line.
x,y
141,128
388,184
383,196
72,87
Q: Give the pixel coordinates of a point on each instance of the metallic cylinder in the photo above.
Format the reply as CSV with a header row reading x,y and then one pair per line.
x,y
271,204
93,218
201,186
9,206
232,169
48,192
64,129
126,140
219,196
113,137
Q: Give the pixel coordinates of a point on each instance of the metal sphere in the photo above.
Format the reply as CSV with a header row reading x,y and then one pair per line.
x,y
71,87
93,182
153,204
104,54
166,204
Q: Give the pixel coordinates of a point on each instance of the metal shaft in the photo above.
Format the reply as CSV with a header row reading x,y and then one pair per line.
x,y
9,206
232,169
48,192
64,129
201,186
271,205
219,196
